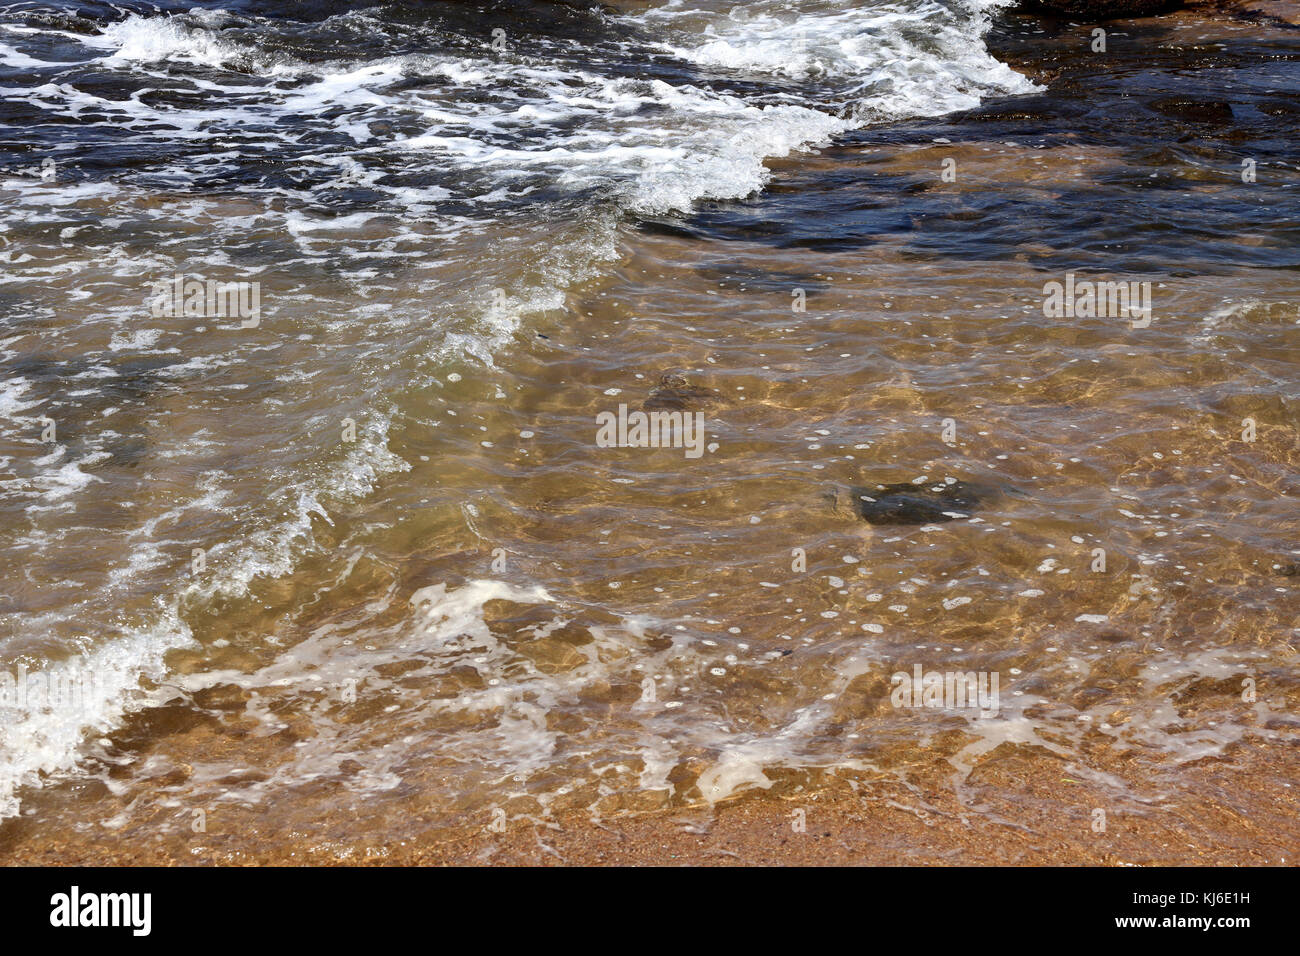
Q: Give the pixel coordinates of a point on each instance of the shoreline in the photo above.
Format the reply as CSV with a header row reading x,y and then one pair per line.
x,y
1240,809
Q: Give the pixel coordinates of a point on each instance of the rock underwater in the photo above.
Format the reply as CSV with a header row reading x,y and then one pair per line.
x,y
1093,10
908,503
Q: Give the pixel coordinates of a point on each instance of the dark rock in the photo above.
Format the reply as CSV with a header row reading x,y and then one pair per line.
x,y
906,503
675,393
1192,110
1095,10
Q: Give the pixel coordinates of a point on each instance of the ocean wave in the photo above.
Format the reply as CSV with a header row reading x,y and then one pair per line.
x,y
447,139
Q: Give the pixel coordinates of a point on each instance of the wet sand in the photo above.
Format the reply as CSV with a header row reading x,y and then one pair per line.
x,y
1239,810
882,824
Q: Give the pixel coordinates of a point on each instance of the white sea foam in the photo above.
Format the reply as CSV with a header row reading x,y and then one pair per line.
x,y
150,39
11,57
886,61
45,737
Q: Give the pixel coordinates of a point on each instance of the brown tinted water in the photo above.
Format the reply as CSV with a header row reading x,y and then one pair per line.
x,y
905,463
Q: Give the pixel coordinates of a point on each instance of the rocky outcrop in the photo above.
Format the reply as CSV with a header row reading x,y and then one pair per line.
x,y
1094,10
1282,12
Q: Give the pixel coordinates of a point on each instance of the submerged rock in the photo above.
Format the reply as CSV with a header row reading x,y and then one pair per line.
x,y
1093,10
906,503
675,393
1278,12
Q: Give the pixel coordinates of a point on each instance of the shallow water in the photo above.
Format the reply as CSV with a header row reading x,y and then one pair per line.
x,y
364,567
